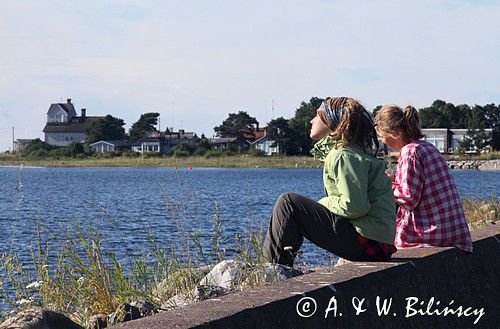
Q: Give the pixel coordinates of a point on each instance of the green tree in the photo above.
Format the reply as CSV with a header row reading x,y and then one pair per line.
x,y
464,113
475,138
73,149
375,110
36,146
279,131
301,127
146,123
232,126
435,116
492,116
107,128
204,144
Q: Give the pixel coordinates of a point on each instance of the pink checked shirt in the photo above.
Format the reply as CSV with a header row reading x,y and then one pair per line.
x,y
430,212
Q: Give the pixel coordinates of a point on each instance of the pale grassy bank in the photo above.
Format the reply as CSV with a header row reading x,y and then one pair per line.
x,y
235,161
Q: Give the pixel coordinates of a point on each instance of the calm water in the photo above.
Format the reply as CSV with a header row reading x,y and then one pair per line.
x,y
134,199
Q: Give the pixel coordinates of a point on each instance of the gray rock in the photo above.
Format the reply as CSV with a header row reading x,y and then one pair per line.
x,y
226,274
124,312
145,307
207,292
229,276
98,321
492,215
342,261
37,318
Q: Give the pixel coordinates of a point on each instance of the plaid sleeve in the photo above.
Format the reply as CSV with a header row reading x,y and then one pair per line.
x,y
409,180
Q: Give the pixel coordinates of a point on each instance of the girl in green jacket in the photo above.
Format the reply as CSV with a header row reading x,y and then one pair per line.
x,y
356,219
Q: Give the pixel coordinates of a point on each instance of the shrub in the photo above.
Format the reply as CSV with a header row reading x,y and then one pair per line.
x,y
130,154
106,155
256,152
37,148
151,154
181,153
73,149
214,153
188,148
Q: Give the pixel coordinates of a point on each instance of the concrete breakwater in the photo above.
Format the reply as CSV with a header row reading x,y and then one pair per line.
x,y
417,288
476,164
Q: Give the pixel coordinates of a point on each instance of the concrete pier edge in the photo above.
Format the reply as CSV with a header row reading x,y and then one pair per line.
x,y
448,275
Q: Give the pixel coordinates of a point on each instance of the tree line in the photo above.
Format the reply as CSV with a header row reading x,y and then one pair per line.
x,y
292,135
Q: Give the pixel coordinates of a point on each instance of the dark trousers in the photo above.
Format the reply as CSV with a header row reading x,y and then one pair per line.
x,y
296,217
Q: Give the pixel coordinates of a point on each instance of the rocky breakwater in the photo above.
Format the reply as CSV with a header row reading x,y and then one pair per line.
x,y
476,164
225,277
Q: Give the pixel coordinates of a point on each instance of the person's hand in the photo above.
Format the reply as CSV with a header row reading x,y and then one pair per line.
x,y
392,177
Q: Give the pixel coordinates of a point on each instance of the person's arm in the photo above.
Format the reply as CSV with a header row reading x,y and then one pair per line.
x,y
409,183
351,180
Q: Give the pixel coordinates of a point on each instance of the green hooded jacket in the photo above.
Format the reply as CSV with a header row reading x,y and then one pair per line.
x,y
357,189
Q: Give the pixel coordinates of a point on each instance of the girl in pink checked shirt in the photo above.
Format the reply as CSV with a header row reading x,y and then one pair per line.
x,y
430,212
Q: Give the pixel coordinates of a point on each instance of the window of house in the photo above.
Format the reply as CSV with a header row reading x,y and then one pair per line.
x,y
455,141
437,140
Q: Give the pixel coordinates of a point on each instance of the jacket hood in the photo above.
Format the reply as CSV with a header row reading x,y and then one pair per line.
x,y
323,147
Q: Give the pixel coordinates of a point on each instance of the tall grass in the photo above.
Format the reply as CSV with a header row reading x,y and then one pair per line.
x,y
481,212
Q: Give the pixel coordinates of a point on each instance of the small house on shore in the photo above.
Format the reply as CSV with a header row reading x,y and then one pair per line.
x,y
225,143
64,127
266,145
447,140
161,142
108,146
149,144
173,138
259,139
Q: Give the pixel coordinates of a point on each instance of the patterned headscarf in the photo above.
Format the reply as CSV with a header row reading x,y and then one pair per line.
x,y
331,116
331,113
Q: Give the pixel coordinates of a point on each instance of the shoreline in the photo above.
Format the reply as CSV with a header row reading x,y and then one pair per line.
x,y
298,162
170,162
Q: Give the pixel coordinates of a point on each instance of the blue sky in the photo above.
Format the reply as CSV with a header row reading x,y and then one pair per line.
x,y
210,58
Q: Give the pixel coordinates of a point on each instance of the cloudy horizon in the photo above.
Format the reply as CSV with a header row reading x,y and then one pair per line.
x,y
208,59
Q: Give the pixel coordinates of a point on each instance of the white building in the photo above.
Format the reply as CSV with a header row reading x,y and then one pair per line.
x,y
269,147
107,146
64,127
447,140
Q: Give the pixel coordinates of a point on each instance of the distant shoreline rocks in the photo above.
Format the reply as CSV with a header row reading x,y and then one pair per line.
x,y
475,165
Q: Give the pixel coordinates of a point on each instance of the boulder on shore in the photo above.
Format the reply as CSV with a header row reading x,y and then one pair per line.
x,y
124,312
229,276
37,318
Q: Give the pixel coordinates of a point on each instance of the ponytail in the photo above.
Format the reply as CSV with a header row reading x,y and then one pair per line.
x,y
391,118
412,123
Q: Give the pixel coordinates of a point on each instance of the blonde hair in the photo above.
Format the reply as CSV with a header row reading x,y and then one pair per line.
x,y
392,118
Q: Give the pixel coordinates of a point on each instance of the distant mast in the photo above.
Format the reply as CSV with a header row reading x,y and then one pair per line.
x,y
173,115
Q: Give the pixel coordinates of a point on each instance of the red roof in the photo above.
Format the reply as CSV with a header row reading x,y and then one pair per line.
x,y
257,132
